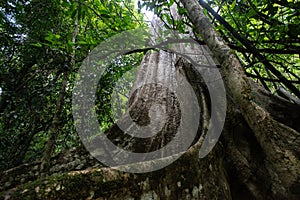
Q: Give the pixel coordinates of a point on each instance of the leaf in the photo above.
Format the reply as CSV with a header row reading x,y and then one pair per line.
x,y
36,44
49,38
82,42
181,11
233,5
104,13
251,13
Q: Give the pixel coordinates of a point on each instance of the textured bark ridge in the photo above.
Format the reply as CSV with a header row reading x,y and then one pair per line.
x,y
187,178
257,156
279,143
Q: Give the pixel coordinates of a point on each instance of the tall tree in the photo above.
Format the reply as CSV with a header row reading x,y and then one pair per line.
x,y
257,156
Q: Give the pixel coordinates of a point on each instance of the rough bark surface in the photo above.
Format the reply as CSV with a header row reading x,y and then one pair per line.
x,y
279,142
257,156
187,178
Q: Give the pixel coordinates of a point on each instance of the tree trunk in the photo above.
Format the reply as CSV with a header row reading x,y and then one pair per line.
x,y
281,157
55,125
257,156
186,178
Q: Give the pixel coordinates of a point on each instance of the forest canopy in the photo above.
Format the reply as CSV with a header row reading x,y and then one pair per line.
x,y
41,41
43,44
256,46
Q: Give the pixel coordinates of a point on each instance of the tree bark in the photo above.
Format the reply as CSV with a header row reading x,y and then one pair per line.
x,y
281,156
257,156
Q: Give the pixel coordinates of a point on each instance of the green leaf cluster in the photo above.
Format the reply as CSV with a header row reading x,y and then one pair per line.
x,y
38,45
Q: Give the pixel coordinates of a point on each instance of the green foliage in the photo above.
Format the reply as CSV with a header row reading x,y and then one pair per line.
x,y
107,85
273,29
37,46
